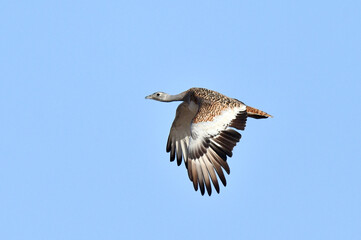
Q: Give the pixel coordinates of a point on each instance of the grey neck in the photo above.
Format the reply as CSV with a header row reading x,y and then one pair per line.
x,y
179,97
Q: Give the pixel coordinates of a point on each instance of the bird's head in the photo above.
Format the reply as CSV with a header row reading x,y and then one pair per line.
x,y
158,96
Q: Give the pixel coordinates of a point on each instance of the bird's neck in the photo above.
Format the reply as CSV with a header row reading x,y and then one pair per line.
x,y
179,97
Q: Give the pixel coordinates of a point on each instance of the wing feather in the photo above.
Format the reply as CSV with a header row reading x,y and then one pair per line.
x,y
184,149
205,175
220,161
194,174
218,169
200,176
211,172
210,144
179,152
178,139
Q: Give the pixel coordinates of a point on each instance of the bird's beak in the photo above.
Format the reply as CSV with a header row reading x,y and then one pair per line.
x,y
148,97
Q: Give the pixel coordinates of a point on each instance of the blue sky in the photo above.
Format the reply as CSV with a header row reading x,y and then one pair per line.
x,y
83,153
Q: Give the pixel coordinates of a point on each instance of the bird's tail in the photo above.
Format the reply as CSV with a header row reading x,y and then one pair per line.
x,y
256,113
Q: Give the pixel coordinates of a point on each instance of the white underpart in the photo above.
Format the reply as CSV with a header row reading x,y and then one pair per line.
x,y
203,130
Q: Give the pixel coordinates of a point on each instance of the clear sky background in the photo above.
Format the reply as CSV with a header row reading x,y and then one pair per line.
x,y
82,153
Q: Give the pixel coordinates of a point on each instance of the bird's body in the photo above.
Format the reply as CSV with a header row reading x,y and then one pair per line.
x,y
202,133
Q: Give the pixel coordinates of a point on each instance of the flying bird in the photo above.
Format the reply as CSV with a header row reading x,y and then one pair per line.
x,y
203,133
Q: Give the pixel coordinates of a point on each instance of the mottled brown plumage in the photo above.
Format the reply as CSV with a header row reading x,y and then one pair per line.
x,y
212,103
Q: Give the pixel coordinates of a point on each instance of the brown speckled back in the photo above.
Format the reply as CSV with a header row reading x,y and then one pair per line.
x,y
211,103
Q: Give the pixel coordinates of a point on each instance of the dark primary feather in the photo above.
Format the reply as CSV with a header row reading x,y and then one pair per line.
x,y
218,168
200,177
169,144
172,154
205,176
240,121
194,174
212,174
223,146
218,151
179,153
220,160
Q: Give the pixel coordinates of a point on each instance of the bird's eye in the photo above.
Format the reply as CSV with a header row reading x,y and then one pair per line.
x,y
158,94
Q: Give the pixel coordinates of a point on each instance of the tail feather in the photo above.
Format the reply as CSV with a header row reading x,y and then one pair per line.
x,y
256,113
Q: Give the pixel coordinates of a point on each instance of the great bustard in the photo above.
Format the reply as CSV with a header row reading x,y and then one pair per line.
x,y
202,133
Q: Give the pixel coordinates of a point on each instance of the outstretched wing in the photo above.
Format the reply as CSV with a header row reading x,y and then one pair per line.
x,y
212,140
180,132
